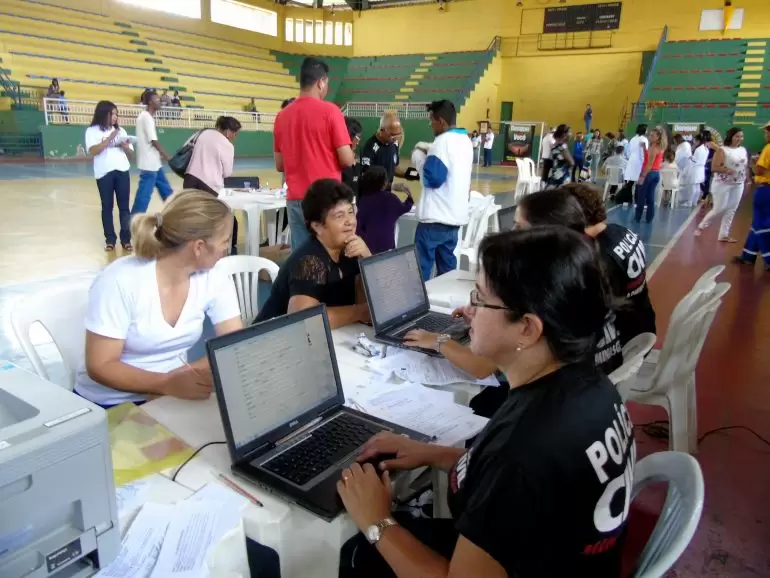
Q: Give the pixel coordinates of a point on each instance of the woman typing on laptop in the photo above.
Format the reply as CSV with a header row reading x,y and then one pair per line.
x,y
146,310
545,487
324,269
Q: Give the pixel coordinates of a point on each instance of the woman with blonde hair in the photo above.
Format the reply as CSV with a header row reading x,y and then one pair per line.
x,y
650,176
146,310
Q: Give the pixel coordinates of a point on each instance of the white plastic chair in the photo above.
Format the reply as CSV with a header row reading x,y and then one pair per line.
x,y
669,181
244,270
614,179
478,226
62,312
707,281
681,512
633,356
523,182
535,183
667,375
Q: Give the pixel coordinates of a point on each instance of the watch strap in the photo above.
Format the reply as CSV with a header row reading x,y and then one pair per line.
x,y
381,526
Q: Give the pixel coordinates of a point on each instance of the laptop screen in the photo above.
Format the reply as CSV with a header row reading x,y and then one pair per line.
x,y
394,285
505,218
272,378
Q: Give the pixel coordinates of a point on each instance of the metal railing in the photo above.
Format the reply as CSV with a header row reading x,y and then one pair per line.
x,y
646,112
80,112
575,40
405,110
650,72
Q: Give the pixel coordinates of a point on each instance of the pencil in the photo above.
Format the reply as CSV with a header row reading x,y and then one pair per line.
x,y
239,490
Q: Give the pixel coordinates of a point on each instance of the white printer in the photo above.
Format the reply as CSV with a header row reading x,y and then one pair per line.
x,y
58,515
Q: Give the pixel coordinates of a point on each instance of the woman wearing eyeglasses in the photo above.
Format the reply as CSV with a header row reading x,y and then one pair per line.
x,y
544,489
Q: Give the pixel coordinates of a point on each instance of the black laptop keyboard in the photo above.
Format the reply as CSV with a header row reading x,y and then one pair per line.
x,y
327,445
432,323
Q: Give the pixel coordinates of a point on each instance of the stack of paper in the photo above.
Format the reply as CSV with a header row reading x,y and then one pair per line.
x,y
428,411
420,368
172,540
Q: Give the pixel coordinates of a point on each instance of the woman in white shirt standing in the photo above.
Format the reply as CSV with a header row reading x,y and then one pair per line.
x,y
145,311
730,168
109,144
476,141
694,173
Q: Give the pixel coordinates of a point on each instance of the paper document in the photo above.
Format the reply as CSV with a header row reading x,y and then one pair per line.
x,y
412,407
193,529
229,502
420,368
141,545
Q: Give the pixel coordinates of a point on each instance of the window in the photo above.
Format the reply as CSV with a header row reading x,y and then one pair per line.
x,y
299,31
244,16
348,34
309,31
187,8
329,33
319,32
289,31
338,33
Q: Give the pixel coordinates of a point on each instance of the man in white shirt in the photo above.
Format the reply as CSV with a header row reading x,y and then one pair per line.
x,y
489,140
545,154
446,183
148,157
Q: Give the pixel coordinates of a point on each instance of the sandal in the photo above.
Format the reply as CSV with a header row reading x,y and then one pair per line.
x,y
727,240
109,247
128,248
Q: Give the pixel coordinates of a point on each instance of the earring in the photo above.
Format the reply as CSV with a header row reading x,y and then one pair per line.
x,y
519,347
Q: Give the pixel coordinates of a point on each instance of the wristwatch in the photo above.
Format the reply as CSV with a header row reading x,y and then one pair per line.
x,y
441,339
374,532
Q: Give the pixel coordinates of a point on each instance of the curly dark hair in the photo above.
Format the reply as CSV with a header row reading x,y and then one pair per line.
x,y
322,196
590,200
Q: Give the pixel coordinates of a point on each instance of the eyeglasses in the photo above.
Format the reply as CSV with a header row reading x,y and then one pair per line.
x,y
476,302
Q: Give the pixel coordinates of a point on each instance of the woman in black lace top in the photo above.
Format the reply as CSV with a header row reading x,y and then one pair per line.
x,y
325,268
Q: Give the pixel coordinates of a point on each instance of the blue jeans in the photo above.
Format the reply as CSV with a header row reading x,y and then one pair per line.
x,y
299,232
436,244
487,157
645,195
115,185
148,180
587,120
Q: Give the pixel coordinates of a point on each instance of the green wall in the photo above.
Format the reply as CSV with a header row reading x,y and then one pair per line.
x,y
62,141
21,121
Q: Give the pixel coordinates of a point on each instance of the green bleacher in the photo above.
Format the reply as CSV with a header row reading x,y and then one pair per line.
x,y
719,82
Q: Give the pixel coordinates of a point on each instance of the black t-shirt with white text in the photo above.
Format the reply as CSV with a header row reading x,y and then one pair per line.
x,y
375,153
608,355
545,488
623,252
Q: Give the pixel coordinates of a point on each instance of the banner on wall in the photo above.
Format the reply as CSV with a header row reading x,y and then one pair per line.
x,y
686,129
519,141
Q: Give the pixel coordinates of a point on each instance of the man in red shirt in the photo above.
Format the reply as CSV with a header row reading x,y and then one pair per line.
x,y
311,142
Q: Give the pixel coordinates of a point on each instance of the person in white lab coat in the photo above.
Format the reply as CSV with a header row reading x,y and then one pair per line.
x,y
694,173
683,152
636,149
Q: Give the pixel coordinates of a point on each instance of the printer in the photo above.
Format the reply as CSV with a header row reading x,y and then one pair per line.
x,y
58,513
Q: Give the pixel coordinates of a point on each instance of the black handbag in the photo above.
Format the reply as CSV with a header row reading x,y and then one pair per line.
x,y
181,159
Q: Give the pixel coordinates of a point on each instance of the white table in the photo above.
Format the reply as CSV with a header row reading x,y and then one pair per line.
x,y
451,290
253,204
306,544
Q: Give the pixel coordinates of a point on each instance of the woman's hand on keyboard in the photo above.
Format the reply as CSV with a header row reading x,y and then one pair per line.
x,y
403,453
421,338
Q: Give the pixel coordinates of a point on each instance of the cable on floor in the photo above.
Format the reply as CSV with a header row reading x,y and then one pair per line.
x,y
660,430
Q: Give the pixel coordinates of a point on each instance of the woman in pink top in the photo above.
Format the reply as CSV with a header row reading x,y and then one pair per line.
x,y
650,177
212,161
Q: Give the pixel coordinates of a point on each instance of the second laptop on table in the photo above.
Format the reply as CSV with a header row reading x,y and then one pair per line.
x,y
398,300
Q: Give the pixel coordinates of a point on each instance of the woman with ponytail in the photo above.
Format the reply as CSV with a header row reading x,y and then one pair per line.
x,y
145,311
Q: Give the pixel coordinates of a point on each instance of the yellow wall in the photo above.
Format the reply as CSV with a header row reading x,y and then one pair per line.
x,y
117,10
484,97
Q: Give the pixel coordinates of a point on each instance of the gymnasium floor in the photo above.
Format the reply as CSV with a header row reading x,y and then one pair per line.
x,y
51,234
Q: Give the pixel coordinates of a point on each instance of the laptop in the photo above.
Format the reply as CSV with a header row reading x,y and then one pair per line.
x,y
241,182
281,401
398,300
505,218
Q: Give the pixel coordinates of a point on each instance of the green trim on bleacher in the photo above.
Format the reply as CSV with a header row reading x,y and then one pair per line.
x,y
138,42
186,97
169,78
122,24
156,61
145,51
177,87
160,69
130,33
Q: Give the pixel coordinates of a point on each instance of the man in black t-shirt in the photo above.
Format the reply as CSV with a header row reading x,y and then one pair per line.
x,y
626,264
383,147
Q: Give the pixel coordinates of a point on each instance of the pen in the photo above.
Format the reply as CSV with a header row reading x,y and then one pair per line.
x,y
239,490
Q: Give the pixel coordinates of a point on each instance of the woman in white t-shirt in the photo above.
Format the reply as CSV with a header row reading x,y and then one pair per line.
x,y
146,311
730,169
110,147
476,142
